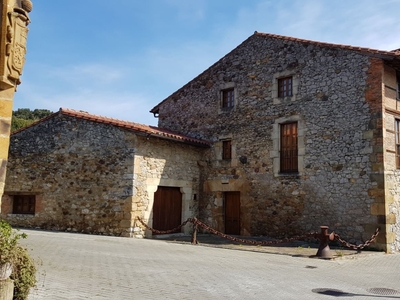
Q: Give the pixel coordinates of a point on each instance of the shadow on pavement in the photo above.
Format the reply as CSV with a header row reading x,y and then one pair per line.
x,y
296,248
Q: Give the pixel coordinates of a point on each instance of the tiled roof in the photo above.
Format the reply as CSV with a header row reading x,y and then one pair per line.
x,y
135,127
330,45
393,56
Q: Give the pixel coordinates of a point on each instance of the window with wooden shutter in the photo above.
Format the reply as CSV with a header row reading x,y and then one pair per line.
x,y
228,98
227,149
397,125
24,204
289,149
285,87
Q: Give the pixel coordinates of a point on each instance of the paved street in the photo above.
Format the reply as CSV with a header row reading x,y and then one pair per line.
x,y
77,266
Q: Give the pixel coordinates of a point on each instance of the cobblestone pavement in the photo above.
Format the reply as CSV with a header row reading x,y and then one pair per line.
x,y
77,266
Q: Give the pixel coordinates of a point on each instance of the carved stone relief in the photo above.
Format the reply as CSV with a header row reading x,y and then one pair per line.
x,y
17,20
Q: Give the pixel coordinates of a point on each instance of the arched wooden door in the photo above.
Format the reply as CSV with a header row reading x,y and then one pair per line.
x,y
232,212
167,209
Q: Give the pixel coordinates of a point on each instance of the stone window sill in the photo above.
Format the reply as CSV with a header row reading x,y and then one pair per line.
x,y
21,215
293,174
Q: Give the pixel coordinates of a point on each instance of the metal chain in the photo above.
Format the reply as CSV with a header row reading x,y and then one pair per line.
x,y
252,242
314,235
195,221
357,247
164,231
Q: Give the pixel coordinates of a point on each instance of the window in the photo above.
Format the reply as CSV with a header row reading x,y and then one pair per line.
x,y
289,146
397,125
227,149
285,87
228,98
24,204
289,149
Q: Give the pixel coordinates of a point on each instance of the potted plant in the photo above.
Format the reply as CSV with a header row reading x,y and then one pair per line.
x,y
15,261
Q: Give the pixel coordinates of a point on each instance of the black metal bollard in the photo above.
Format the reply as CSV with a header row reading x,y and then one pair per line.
x,y
324,251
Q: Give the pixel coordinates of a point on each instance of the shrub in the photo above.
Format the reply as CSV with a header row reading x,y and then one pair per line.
x,y
24,270
24,273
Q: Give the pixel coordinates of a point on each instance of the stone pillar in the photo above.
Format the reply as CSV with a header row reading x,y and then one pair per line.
x,y
6,289
14,21
379,208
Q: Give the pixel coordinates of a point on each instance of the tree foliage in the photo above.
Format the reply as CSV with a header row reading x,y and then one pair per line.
x,y
23,117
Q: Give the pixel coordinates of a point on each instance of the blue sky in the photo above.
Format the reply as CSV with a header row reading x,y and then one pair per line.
x,y
120,58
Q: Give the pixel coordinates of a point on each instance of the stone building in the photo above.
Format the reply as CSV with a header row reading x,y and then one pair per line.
x,y
304,134
81,172
279,137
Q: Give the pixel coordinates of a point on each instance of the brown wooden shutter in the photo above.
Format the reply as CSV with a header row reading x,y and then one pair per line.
x,y
226,149
289,151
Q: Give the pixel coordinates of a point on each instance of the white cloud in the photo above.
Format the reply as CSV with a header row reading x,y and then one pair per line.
x,y
97,88
368,23
188,10
94,73
126,106
358,23
176,65
306,18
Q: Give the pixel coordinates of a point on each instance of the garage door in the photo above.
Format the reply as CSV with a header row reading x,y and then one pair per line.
x,y
167,209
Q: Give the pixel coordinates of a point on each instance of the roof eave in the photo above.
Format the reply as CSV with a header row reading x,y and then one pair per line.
x,y
136,128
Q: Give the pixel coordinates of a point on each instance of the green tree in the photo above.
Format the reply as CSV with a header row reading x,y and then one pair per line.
x,y
23,117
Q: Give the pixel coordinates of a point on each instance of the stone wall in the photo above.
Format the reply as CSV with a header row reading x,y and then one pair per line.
x,y
93,177
336,138
165,163
82,172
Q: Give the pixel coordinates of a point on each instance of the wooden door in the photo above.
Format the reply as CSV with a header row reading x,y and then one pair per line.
x,y
232,213
167,209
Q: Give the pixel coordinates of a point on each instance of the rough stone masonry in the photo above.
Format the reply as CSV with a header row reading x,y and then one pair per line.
x,y
338,103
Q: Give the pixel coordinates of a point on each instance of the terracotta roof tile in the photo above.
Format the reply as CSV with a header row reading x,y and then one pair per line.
x,y
136,127
331,45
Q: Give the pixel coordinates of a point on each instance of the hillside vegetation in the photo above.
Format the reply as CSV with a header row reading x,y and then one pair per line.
x,y
23,117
